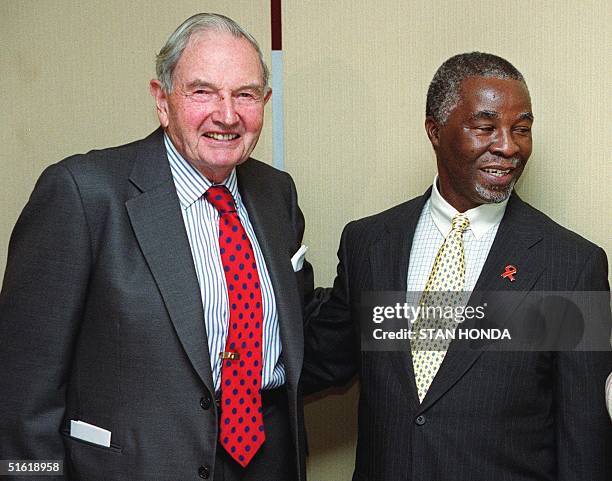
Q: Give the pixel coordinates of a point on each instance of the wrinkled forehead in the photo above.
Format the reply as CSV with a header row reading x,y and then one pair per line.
x,y
504,96
218,51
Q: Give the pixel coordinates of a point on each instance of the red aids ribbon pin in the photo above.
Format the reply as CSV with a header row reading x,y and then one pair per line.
x,y
509,272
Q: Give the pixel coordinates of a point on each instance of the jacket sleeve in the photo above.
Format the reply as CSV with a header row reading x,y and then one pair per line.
x,y
297,218
41,302
583,429
331,352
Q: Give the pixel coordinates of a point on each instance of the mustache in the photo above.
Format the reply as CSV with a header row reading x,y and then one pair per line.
x,y
513,162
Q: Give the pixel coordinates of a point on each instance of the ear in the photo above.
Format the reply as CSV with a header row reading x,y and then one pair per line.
x,y
433,131
268,95
161,101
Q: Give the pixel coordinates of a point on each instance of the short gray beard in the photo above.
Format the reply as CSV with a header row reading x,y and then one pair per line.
x,y
494,196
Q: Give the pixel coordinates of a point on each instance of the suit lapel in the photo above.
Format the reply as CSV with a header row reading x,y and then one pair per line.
x,y
390,251
515,244
271,224
157,221
389,262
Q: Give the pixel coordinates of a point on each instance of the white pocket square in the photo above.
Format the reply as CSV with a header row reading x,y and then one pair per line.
x,y
90,433
297,261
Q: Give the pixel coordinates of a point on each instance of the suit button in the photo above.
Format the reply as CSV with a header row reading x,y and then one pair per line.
x,y
420,420
205,402
204,472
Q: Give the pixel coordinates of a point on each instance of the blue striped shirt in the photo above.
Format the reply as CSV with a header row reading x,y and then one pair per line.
x,y
202,224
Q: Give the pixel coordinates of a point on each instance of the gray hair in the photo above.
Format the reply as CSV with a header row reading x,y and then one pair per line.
x,y
444,90
171,52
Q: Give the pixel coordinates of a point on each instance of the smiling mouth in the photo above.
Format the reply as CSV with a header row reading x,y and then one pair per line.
x,y
496,172
217,136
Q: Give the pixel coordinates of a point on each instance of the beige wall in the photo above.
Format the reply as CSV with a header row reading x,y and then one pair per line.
x,y
75,77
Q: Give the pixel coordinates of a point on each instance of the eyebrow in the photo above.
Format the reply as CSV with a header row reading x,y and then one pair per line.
x,y
199,83
204,83
484,114
492,114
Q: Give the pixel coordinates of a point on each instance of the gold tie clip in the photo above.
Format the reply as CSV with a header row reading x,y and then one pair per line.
x,y
232,356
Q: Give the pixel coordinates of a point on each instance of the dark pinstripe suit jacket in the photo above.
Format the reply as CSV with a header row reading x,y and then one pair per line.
x,y
488,416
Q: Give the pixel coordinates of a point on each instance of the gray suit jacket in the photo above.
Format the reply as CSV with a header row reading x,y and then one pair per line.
x,y
101,318
515,416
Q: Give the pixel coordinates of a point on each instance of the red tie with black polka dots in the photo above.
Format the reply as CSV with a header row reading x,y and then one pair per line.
x,y
242,430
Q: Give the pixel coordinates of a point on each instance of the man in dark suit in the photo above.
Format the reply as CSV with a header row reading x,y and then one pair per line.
x,y
449,412
151,310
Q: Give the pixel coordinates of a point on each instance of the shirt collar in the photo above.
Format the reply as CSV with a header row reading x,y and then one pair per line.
x,y
190,183
482,218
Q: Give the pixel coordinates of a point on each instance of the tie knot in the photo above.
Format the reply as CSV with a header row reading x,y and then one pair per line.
x,y
460,222
221,199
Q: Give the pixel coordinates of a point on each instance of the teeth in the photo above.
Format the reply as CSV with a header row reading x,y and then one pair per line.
x,y
221,136
496,172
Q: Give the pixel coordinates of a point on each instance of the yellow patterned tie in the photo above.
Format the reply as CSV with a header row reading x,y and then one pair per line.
x,y
444,287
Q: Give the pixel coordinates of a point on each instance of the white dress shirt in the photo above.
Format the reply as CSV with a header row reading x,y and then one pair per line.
x,y
202,224
434,225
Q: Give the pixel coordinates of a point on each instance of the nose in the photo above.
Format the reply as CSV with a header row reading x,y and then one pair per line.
x,y
225,112
505,144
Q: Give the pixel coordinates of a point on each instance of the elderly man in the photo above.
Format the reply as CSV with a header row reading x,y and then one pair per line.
x,y
445,412
151,311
